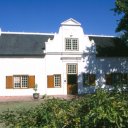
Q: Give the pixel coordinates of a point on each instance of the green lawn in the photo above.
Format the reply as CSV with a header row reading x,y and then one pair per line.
x,y
17,105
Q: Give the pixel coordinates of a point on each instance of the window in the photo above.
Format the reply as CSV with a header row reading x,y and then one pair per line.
x,y
21,81
72,69
71,44
57,80
116,78
89,79
54,81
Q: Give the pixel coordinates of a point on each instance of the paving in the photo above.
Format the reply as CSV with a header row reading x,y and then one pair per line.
x,y
30,98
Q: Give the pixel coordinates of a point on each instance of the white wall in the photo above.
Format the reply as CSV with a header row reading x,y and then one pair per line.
x,y
101,66
57,58
21,66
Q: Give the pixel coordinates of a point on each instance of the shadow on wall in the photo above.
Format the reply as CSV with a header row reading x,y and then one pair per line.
x,y
100,66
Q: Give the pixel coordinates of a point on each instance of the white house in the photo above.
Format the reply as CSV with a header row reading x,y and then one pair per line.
x,y
62,63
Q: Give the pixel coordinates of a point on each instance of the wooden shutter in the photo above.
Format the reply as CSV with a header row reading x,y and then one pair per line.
x,y
9,82
31,81
50,81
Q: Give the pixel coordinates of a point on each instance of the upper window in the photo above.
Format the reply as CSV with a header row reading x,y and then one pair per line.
x,y
21,81
71,44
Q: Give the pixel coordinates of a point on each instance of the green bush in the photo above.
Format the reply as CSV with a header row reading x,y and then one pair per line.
x,y
102,109
107,109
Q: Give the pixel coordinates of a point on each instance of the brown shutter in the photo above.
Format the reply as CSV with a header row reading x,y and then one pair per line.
x,y
50,81
31,81
9,82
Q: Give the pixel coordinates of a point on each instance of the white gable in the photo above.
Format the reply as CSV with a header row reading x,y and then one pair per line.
x,y
70,22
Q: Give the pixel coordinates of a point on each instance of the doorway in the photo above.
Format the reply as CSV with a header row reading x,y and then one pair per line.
x,y
72,86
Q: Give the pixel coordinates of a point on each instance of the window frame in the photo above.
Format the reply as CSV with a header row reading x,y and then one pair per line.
x,y
21,85
56,83
115,76
89,82
72,45
51,81
69,71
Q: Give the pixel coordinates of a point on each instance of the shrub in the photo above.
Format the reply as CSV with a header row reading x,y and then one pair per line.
x,y
102,109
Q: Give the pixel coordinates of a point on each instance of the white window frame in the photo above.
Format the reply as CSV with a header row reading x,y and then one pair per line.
x,y
57,80
72,68
18,79
71,43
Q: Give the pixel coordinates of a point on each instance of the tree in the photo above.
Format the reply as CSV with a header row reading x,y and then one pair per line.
x,y
121,8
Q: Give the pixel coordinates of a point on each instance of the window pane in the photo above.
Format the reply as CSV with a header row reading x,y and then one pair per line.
x,y
74,44
17,82
68,44
116,78
72,69
85,79
57,80
124,78
92,78
89,79
108,78
24,80
71,44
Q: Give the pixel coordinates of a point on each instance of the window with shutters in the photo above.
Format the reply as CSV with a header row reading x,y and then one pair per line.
x,y
21,81
116,78
71,44
54,81
89,79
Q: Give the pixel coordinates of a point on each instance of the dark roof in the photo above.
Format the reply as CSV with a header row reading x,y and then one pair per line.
x,y
22,44
109,46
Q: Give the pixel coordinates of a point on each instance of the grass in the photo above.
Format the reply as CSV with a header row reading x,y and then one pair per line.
x,y
17,105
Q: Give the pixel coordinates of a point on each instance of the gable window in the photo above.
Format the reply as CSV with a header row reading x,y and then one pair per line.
x,y
71,44
116,78
54,81
89,79
20,81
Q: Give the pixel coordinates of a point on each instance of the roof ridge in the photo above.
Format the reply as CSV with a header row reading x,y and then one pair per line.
x,y
28,33
100,35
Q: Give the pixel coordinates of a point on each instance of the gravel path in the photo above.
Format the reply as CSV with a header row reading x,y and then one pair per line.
x,y
30,98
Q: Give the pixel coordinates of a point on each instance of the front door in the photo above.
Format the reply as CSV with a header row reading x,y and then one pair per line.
x,y
72,85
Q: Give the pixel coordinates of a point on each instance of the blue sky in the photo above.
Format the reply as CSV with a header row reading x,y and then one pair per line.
x,y
95,16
